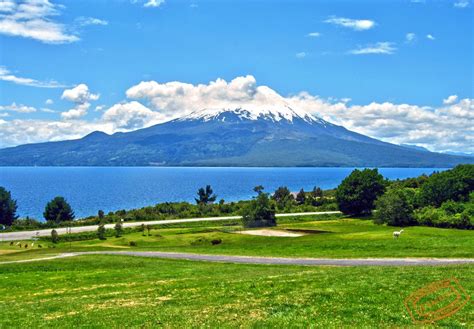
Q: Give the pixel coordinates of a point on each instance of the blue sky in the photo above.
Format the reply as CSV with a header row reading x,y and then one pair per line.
x,y
413,53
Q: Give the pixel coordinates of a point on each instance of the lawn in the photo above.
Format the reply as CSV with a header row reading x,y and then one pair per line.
x,y
118,291
340,238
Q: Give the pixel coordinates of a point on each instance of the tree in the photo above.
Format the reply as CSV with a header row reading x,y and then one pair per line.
x,y
260,212
101,232
258,189
205,196
394,208
8,208
317,192
301,197
283,197
357,192
454,184
100,214
54,236
58,210
118,230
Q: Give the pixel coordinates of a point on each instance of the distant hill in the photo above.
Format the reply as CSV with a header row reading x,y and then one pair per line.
x,y
230,137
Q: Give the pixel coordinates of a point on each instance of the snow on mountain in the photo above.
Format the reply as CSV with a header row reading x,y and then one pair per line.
x,y
273,113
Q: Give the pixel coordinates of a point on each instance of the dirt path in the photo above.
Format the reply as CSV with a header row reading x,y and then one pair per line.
x,y
270,260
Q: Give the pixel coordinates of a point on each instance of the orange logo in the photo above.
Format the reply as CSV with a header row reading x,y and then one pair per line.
x,y
436,301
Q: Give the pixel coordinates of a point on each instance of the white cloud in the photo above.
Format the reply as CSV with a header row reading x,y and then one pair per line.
x,y
314,34
410,37
354,24
430,37
381,48
85,21
450,100
82,97
301,55
131,115
397,123
17,108
34,19
461,3
6,75
47,110
150,3
49,101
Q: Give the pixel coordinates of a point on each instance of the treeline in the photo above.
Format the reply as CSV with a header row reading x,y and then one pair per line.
x,y
444,199
59,213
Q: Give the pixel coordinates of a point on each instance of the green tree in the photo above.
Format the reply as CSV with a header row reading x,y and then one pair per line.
x,y
101,232
454,184
205,196
258,189
8,208
118,230
394,208
100,214
54,236
283,197
317,192
58,210
260,212
301,197
358,191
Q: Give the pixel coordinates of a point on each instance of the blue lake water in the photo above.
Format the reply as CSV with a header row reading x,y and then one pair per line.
x,y
89,189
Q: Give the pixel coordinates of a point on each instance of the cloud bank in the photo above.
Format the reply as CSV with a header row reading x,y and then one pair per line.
x,y
448,127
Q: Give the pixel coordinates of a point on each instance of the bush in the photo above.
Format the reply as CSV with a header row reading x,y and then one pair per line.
x,y
358,191
118,230
132,244
101,232
54,236
394,208
216,241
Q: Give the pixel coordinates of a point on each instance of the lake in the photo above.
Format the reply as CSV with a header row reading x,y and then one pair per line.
x,y
89,189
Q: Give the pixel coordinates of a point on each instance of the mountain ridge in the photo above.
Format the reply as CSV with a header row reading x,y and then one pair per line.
x,y
277,136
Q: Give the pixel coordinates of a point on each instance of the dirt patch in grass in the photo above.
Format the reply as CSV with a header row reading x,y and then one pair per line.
x,y
267,232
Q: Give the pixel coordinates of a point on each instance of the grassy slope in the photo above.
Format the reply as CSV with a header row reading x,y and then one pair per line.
x,y
117,291
347,238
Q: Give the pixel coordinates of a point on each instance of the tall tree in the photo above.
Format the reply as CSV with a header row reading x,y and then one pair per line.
x,y
357,192
8,208
58,210
301,197
317,192
259,212
283,197
205,196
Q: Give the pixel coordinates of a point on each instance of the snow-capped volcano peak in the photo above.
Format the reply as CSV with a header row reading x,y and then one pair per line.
x,y
271,113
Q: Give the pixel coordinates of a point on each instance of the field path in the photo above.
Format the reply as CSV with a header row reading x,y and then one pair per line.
x,y
269,260
26,235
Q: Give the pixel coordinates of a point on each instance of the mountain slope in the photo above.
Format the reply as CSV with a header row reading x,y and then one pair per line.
x,y
229,137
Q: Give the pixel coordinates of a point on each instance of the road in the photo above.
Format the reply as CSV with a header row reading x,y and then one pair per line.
x,y
269,260
26,235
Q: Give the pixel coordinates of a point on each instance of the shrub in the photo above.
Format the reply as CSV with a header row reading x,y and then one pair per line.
x,y
54,236
118,230
101,232
132,244
216,241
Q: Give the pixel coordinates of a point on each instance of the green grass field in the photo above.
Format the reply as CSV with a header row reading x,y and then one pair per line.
x,y
98,291
342,238
118,291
